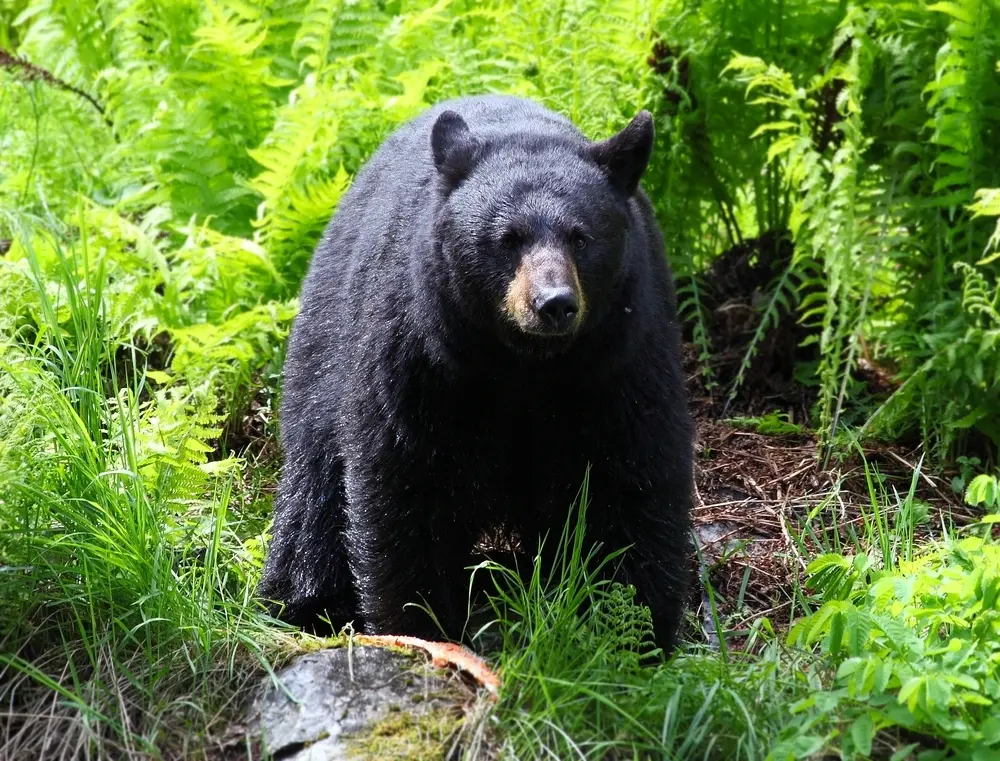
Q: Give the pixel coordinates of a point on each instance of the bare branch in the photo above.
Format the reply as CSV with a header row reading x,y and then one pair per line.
x,y
34,73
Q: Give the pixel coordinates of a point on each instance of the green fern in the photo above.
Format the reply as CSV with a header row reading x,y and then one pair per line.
x,y
630,623
783,299
299,190
692,311
988,204
331,30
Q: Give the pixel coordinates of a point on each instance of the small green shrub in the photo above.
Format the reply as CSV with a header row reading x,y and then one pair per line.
x,y
916,650
984,490
772,424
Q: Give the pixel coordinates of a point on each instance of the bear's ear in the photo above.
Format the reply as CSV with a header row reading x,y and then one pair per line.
x,y
624,156
455,149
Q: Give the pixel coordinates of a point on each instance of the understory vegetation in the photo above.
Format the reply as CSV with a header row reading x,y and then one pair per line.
x,y
827,177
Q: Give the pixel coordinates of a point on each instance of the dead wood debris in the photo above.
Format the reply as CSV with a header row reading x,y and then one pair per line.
x,y
755,495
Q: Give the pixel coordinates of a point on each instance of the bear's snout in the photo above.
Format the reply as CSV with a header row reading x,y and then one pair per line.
x,y
557,308
545,296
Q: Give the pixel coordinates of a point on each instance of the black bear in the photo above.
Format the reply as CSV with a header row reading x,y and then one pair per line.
x,y
489,312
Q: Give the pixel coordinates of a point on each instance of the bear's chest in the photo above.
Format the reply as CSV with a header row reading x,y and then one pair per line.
x,y
505,444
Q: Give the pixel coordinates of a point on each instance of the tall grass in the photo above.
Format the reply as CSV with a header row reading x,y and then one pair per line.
x,y
583,679
123,630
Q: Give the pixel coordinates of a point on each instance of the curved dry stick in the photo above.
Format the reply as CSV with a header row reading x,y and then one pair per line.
x,y
442,654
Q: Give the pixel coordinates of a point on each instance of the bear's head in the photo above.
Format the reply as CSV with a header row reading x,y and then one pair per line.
x,y
534,225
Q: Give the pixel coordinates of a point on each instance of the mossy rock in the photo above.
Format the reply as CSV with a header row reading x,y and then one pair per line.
x,y
361,702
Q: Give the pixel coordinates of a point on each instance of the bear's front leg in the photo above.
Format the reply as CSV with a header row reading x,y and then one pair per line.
x,y
406,546
657,567
654,524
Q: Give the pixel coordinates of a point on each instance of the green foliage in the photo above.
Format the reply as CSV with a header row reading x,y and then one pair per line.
x,y
988,204
771,424
582,679
151,248
884,206
118,535
916,648
984,490
869,134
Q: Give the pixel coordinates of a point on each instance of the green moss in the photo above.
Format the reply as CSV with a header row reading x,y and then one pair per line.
x,y
305,643
424,737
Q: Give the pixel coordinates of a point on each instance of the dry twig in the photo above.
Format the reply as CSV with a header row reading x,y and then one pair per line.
x,y
34,73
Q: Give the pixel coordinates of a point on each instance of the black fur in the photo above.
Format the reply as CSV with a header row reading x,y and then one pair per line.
x,y
416,415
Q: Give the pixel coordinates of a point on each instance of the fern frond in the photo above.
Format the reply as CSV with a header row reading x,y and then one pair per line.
x,y
783,299
334,29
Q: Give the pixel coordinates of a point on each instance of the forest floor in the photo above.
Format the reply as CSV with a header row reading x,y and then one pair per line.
x,y
758,514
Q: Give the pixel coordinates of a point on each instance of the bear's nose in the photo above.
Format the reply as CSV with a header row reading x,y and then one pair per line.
x,y
557,308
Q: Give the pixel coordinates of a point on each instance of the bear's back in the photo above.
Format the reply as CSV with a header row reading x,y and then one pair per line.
x,y
402,170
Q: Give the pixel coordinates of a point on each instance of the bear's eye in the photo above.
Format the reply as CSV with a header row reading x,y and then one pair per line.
x,y
511,240
579,240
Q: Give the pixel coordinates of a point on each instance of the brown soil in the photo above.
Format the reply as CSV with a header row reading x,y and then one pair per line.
x,y
754,500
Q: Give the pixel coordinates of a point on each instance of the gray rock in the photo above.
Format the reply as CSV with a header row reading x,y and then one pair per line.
x,y
342,694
